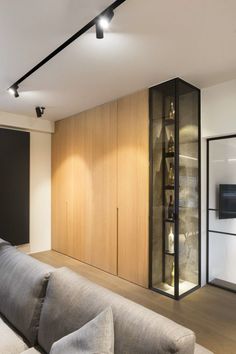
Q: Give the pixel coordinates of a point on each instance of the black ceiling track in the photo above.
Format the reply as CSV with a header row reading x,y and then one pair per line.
x,y
89,25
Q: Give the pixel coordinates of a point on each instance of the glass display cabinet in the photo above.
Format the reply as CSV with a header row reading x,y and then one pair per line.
x,y
174,188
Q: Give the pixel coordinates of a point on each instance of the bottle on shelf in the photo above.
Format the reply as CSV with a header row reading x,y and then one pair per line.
x,y
172,111
171,175
171,240
171,208
172,281
171,144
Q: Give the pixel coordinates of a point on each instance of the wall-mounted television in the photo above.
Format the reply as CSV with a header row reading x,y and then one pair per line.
x,y
227,201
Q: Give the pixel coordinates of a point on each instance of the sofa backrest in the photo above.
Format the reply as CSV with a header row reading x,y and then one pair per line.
x,y
23,282
71,301
3,242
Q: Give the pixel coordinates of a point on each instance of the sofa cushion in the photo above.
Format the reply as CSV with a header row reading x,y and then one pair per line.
x,y
23,285
31,351
96,336
10,342
72,301
3,242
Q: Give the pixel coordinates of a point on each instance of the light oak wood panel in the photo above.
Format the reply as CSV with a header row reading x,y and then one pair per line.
x,y
88,162
95,208
62,187
133,181
84,182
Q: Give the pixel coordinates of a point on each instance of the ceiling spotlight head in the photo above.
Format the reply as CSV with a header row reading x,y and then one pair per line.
x,y
13,91
109,15
39,111
99,31
103,23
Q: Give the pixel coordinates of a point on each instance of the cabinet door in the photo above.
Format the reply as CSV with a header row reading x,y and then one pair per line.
x,y
133,181
62,187
95,188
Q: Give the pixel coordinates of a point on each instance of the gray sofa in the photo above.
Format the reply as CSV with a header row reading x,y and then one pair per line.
x,y
39,305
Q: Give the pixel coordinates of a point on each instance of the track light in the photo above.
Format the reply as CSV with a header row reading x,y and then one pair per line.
x,y
13,90
39,111
99,32
103,23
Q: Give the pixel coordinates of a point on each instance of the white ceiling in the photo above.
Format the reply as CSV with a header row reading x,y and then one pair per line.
x,y
149,41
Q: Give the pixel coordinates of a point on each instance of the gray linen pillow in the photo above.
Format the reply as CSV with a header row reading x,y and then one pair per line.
x,y
95,337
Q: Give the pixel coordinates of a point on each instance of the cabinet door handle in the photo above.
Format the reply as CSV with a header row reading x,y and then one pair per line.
x,y
117,220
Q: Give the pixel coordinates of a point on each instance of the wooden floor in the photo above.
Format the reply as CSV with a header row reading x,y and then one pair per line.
x,y
210,312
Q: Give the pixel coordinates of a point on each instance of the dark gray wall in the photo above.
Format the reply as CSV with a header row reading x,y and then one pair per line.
x,y
14,186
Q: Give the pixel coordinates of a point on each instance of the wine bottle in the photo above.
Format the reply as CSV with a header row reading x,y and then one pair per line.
x,y
171,240
171,208
171,175
171,144
172,111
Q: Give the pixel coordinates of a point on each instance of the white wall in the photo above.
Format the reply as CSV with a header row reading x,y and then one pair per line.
x,y
218,118
40,191
219,109
40,176
17,121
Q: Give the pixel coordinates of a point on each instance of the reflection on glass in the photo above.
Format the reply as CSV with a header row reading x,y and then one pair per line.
x,y
188,188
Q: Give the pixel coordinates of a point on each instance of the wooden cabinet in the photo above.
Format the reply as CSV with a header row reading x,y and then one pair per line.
x,y
95,184
133,188
62,188
84,178
100,187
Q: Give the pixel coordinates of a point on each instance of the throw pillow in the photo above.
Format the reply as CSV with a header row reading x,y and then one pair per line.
x,y
95,337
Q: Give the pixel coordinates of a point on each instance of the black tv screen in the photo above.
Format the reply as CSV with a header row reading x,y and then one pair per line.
x,y
227,201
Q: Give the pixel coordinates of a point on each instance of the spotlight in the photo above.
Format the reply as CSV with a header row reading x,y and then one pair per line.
x,y
103,23
39,111
13,90
109,15
99,32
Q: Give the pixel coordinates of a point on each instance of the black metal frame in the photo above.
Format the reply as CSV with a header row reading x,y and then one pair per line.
x,y
210,209
79,33
176,191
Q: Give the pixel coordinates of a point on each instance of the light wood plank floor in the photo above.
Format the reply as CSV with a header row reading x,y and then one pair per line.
x,y
210,312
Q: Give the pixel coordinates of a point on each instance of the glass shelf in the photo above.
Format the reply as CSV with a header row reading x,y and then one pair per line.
x,y
169,121
184,286
169,155
188,207
169,253
170,220
170,188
